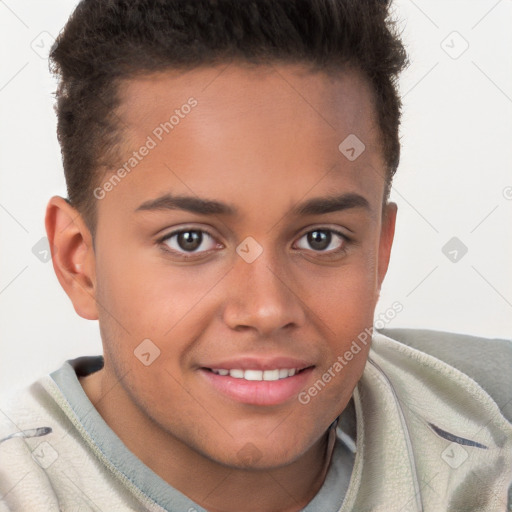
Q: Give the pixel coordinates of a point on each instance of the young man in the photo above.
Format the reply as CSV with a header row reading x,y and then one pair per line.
x,y
228,168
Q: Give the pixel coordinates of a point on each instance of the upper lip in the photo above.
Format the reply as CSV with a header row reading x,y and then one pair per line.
x,y
259,363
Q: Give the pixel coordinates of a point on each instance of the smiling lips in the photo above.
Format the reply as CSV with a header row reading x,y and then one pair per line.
x,y
257,382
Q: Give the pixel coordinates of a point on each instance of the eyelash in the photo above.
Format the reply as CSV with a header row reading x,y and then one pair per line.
x,y
194,255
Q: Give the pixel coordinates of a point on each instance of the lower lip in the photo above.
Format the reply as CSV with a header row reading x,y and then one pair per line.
x,y
257,392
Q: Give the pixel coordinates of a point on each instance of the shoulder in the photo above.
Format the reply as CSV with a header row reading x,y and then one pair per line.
x,y
64,469
488,361
27,458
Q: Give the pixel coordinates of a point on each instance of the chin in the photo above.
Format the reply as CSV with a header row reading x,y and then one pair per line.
x,y
258,455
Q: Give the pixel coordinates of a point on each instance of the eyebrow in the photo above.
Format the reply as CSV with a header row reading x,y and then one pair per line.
x,y
315,206
321,205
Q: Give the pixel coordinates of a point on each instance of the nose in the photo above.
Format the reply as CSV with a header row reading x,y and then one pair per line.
x,y
262,297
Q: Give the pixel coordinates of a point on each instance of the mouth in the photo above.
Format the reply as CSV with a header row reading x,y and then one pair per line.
x,y
263,387
257,375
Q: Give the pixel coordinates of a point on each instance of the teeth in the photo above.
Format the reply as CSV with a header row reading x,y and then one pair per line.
x,y
258,375
271,375
253,375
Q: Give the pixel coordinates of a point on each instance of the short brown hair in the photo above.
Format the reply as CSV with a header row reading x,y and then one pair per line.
x,y
106,41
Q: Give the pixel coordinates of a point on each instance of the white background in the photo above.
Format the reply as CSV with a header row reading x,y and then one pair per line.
x,y
454,179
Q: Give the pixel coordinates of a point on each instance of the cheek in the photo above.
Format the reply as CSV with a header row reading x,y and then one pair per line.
x,y
147,295
342,302
344,297
146,298
345,307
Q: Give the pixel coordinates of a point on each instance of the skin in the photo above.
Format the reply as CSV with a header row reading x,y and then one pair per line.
x,y
262,139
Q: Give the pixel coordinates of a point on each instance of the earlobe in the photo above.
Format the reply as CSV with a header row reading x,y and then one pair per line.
x,y
73,258
386,239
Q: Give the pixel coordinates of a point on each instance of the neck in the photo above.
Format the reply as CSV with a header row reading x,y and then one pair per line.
x,y
214,486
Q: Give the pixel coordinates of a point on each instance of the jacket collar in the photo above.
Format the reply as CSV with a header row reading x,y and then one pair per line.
x,y
429,438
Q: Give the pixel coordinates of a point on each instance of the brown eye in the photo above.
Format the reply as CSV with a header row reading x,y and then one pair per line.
x,y
319,240
189,241
323,240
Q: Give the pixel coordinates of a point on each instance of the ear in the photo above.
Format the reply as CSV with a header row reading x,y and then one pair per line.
x,y
72,255
386,239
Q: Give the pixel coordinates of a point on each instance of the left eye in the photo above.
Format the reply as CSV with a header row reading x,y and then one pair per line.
x,y
324,240
190,241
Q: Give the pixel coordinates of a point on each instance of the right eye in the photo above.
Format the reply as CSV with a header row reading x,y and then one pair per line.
x,y
184,242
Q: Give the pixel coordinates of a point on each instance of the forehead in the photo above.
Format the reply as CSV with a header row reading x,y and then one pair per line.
x,y
262,131
338,103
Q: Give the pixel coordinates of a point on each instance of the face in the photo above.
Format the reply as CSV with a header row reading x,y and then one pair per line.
x,y
247,250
